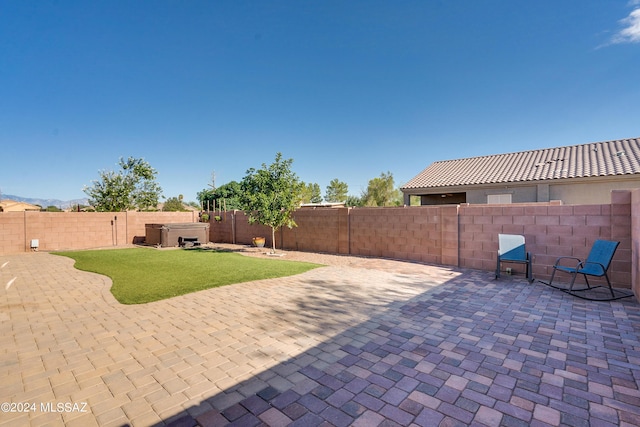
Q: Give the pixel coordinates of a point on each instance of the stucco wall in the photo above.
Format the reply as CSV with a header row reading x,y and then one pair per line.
x,y
574,191
589,192
519,194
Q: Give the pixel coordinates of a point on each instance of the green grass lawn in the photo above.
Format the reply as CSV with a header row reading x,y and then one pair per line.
x,y
142,275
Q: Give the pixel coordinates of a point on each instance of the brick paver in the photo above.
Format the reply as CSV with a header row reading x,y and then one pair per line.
x,y
359,342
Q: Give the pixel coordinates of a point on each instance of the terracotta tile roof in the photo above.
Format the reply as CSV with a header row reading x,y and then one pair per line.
x,y
620,157
9,205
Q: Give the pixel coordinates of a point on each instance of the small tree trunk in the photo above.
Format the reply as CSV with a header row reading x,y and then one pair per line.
x,y
273,239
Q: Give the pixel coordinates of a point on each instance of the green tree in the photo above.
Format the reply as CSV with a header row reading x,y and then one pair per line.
x,y
336,191
173,204
381,191
205,198
133,187
227,196
311,193
271,194
354,201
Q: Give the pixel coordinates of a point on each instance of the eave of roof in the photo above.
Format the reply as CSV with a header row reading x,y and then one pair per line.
x,y
609,158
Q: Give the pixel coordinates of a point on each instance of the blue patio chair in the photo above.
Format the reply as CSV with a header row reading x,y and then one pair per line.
x,y
511,249
596,265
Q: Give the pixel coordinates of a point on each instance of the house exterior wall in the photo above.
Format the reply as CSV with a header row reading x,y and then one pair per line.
x,y
519,193
569,191
587,191
15,206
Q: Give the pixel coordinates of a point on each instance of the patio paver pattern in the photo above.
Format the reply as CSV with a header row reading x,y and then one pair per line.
x,y
360,342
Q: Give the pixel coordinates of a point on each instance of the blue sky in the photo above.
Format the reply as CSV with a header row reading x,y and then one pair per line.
x,y
347,89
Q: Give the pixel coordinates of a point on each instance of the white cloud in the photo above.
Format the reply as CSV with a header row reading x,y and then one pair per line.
x,y
631,31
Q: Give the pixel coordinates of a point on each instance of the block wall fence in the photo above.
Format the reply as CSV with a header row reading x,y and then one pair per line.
x,y
461,235
453,235
79,230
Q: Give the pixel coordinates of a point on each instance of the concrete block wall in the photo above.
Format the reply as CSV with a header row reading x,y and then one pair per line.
x,y
621,214
424,233
321,230
551,231
420,233
245,232
12,232
78,230
318,230
635,241
221,230
464,235
71,230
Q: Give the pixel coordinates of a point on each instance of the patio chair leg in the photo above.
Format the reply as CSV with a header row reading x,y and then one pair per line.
x,y
609,283
553,273
573,280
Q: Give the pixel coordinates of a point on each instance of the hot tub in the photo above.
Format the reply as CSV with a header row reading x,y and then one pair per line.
x,y
173,234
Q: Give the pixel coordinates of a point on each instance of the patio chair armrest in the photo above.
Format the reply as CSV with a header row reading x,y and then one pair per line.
x,y
583,264
567,257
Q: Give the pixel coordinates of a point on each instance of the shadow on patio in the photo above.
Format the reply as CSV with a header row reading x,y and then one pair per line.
x,y
471,351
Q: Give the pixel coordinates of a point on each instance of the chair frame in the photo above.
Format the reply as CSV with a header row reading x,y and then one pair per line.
x,y
526,260
596,265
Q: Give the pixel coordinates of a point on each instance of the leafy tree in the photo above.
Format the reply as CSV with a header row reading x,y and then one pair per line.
x,y
145,197
173,204
271,194
311,193
52,208
414,200
133,187
336,191
204,196
316,195
227,195
381,191
354,201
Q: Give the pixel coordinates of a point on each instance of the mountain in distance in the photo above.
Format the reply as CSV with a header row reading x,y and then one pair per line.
x,y
62,204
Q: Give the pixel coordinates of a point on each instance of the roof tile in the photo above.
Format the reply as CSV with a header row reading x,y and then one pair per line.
x,y
619,157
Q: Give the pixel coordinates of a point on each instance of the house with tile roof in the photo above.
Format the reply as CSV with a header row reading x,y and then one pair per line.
x,y
577,174
7,205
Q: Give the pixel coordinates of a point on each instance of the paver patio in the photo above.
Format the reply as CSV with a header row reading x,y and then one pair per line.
x,y
359,342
